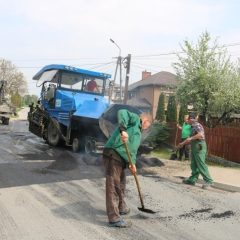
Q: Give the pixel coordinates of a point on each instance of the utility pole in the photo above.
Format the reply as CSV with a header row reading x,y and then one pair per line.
x,y
119,63
115,74
128,58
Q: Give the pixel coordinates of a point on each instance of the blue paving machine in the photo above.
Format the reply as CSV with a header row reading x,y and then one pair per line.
x,y
74,108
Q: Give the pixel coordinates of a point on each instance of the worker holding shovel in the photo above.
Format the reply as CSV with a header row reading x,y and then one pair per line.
x,y
116,161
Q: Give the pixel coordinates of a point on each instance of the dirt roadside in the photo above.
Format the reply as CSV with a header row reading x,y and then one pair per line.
x,y
178,170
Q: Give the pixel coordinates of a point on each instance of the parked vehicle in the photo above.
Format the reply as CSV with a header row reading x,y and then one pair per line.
x,y
74,108
6,109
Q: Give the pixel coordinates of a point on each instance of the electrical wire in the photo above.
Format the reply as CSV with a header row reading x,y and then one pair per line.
x,y
55,59
140,67
180,52
146,57
146,65
74,65
102,65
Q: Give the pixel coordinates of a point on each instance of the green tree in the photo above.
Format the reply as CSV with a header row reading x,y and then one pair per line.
x,y
29,99
207,79
16,99
160,114
171,109
15,79
182,112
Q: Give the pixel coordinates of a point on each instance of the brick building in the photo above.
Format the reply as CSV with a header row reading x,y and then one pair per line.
x,y
145,93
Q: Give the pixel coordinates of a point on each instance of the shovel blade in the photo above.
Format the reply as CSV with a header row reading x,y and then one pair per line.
x,y
146,210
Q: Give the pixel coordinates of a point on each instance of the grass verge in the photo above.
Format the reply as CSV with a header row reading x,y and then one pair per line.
x,y
162,152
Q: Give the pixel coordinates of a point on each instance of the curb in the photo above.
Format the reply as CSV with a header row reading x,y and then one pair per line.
x,y
220,186
217,185
223,186
223,162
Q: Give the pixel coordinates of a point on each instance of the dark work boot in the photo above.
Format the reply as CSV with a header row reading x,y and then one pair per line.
x,y
188,182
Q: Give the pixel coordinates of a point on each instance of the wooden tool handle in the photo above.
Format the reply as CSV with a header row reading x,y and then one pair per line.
x,y
135,175
128,153
176,135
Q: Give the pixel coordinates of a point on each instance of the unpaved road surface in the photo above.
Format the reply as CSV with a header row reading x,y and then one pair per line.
x,y
52,194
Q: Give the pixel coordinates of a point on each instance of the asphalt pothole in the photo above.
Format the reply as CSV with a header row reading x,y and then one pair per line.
x,y
194,215
226,214
63,162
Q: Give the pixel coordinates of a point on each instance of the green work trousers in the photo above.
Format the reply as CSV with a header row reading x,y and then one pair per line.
x,y
198,164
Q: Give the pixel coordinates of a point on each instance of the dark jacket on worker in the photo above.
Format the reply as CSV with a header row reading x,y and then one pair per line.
x,y
131,123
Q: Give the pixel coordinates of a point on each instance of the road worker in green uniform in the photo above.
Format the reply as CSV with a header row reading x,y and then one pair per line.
x,y
116,161
198,154
186,132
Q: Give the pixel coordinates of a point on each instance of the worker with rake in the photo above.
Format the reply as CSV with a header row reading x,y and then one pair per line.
x,y
198,154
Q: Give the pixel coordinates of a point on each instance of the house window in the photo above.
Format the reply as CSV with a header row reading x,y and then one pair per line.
x,y
132,95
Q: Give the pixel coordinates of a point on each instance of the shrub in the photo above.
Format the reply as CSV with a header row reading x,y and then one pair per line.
x,y
171,110
160,114
158,133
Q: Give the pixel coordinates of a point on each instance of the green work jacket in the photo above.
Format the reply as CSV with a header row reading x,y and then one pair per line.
x,y
186,130
129,122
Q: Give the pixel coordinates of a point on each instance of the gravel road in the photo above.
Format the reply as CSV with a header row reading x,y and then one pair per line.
x,y
53,194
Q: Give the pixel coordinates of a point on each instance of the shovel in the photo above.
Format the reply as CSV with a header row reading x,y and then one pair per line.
x,y
143,209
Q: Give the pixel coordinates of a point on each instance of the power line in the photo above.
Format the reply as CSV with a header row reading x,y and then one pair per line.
x,y
157,55
146,65
180,52
102,65
140,67
74,65
232,44
135,56
55,59
150,57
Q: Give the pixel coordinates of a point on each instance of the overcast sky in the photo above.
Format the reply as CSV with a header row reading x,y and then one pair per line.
x,y
77,32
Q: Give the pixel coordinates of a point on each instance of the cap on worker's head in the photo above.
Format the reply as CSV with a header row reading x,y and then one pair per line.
x,y
91,85
191,115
